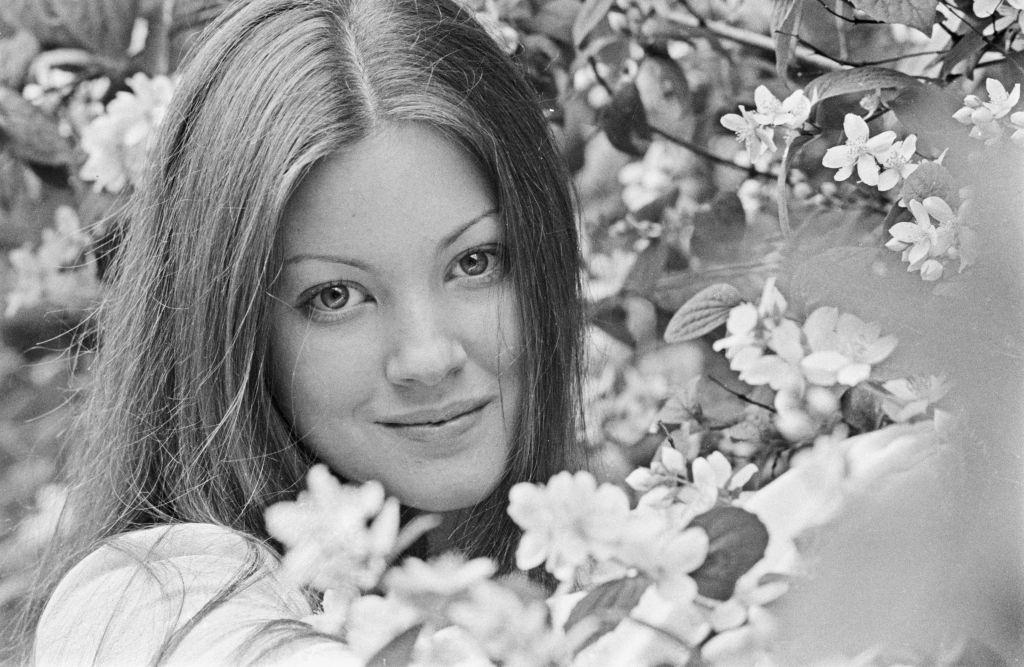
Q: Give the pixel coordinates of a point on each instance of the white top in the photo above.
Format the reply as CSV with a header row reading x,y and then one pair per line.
x,y
121,603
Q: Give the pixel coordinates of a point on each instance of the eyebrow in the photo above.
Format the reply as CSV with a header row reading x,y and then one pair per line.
x,y
445,243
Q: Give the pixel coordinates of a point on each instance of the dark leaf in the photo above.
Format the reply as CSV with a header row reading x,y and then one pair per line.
x,y
665,95
625,122
556,19
30,134
856,80
704,312
918,14
967,49
609,603
590,15
737,541
100,26
785,26
649,266
398,651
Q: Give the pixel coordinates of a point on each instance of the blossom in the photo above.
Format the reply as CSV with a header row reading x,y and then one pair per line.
x,y
861,151
1017,120
920,240
791,112
1000,101
653,544
758,138
61,270
116,141
715,472
896,163
843,348
430,586
566,521
374,620
335,536
511,629
910,397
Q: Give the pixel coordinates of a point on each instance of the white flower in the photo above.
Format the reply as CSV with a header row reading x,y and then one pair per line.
x,y
861,151
335,536
373,621
843,348
653,544
429,586
758,138
116,142
1000,101
896,163
920,240
566,521
512,630
791,112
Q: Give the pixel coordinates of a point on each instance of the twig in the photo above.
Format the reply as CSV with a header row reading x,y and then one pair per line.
x,y
848,19
752,171
674,20
741,396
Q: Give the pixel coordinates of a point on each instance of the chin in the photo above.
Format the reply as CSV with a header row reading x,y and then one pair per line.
x,y
448,497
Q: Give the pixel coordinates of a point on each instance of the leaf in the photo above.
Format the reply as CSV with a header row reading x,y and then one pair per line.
x,y
590,15
31,134
931,179
556,19
665,95
706,310
785,26
398,651
918,14
608,603
856,80
737,541
625,122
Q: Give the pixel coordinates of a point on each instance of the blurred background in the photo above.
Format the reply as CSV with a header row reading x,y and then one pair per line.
x,y
671,203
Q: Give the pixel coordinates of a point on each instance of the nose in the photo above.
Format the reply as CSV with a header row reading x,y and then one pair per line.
x,y
425,349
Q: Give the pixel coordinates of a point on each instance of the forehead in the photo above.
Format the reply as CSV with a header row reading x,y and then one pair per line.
x,y
406,184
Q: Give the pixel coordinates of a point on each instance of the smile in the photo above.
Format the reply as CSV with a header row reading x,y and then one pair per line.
x,y
436,424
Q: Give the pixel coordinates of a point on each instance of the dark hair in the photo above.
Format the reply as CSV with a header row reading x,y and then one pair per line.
x,y
180,424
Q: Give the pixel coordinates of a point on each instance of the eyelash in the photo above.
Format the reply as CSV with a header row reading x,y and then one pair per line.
x,y
492,272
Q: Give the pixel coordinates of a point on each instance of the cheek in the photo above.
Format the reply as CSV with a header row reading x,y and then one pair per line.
x,y
315,378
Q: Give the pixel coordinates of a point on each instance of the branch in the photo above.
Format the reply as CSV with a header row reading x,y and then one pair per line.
x,y
675,24
752,171
848,19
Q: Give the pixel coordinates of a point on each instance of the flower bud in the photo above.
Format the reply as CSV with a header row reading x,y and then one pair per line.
x,y
963,115
973,101
795,425
981,116
618,22
931,270
821,402
802,190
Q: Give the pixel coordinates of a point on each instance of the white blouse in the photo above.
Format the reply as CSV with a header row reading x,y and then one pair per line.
x,y
120,605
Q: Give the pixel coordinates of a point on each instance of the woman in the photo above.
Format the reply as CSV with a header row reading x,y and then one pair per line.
x,y
356,245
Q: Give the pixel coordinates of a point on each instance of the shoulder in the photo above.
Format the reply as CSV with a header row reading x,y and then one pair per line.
x,y
183,593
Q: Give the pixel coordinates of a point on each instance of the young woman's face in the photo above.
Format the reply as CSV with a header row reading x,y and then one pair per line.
x,y
394,336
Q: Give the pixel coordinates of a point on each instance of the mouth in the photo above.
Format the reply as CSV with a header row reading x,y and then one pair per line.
x,y
437,417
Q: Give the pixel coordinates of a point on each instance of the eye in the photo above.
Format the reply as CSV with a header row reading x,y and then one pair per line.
x,y
335,297
478,262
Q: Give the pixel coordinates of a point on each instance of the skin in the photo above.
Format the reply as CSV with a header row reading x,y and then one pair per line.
x,y
393,334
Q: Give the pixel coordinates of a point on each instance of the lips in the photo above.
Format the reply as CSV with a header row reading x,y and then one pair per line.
x,y
436,416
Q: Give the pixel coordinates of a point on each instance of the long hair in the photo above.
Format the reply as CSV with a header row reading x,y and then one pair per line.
x,y
180,424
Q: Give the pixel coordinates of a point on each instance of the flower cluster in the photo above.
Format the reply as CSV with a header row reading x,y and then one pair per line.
x,y
756,128
880,161
60,271
116,142
337,537
809,366
990,120
926,247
